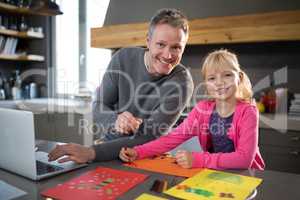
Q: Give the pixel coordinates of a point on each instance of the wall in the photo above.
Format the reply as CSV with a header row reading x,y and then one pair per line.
x,y
132,11
257,59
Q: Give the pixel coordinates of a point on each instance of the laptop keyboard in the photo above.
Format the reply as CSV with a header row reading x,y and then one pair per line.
x,y
43,168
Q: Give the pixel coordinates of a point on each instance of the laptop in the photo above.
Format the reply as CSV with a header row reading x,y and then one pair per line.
x,y
18,151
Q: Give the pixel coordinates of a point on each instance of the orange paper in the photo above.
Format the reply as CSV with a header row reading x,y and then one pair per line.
x,y
163,164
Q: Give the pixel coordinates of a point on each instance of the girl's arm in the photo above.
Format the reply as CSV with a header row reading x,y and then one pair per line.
x,y
187,129
245,147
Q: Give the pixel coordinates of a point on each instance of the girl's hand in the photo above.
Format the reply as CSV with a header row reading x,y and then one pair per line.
x,y
128,154
184,158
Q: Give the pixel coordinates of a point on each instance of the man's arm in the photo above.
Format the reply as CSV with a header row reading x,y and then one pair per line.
x,y
158,123
110,150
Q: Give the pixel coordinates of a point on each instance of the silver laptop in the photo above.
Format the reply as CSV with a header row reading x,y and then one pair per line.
x,y
17,148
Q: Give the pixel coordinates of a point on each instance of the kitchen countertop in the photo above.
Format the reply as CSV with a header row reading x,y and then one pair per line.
x,y
279,122
49,105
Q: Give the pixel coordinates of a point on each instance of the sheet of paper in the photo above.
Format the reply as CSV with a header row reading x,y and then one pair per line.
x,y
146,196
215,185
8,191
163,164
191,145
101,183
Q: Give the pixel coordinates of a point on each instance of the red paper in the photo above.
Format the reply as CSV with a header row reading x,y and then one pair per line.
x,y
101,183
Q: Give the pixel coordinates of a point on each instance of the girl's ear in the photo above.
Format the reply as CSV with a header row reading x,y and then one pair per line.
x,y
241,76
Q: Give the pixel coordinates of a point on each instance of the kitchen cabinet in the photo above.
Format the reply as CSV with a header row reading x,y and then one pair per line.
x,y
60,120
63,127
281,151
66,129
44,126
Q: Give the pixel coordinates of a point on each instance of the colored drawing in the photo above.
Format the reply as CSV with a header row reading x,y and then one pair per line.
x,y
215,185
146,196
225,177
101,183
196,191
163,164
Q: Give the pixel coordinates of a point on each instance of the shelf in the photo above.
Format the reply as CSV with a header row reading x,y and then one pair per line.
x,y
263,27
25,11
21,34
16,57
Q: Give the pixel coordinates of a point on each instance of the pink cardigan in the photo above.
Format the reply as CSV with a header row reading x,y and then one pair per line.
x,y
243,133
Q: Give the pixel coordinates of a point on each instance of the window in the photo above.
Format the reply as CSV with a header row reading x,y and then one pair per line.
x,y
77,64
97,58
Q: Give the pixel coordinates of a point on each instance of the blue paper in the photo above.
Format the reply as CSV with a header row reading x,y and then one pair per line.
x,y
191,145
8,191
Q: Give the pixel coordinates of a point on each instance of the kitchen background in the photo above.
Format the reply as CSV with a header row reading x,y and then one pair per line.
x,y
259,59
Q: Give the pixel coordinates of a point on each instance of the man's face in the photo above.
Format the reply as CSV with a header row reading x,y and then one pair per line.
x,y
166,46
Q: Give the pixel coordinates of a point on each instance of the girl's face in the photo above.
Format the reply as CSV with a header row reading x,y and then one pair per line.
x,y
222,84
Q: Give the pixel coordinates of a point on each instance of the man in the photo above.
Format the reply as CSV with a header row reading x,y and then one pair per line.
x,y
142,92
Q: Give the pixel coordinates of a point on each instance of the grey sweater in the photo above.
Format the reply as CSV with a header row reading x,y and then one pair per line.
x,y
128,86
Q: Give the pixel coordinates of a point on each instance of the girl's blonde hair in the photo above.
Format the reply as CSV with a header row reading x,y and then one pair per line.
x,y
223,58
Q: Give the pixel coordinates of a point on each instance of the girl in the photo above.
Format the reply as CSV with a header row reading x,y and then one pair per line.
x,y
226,124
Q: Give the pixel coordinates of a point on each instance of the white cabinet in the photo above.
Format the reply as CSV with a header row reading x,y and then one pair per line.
x,y
61,120
44,126
64,127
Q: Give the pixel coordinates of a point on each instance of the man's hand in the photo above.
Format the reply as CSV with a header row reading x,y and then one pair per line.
x,y
73,152
184,158
126,123
128,154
